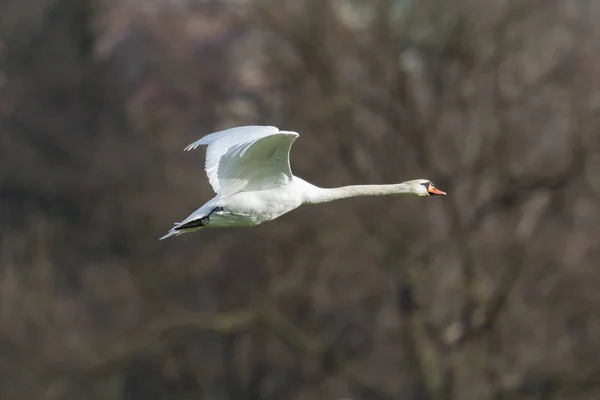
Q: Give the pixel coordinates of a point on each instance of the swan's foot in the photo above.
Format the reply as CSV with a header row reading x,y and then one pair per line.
x,y
200,222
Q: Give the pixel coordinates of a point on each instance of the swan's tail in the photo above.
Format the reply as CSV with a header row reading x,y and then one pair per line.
x,y
172,232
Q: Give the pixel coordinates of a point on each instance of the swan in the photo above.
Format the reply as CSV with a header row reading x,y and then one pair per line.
x,y
248,167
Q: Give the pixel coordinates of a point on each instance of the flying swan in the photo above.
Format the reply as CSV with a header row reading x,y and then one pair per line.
x,y
249,169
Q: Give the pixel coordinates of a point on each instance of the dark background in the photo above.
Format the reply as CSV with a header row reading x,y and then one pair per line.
x,y
489,293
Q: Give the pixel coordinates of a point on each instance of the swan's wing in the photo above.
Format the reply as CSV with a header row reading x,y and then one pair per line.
x,y
219,142
257,164
247,158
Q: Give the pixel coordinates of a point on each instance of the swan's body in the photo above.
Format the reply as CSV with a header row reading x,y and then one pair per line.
x,y
249,170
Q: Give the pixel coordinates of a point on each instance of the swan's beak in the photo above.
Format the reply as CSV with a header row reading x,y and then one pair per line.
x,y
433,191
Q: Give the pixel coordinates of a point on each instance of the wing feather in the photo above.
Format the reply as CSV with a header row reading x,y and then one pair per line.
x,y
247,158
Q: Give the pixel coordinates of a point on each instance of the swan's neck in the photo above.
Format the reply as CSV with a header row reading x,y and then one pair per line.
x,y
320,195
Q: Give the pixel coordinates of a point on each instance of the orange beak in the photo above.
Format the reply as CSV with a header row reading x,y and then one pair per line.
x,y
433,191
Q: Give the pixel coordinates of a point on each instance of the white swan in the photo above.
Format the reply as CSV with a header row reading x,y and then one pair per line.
x,y
249,170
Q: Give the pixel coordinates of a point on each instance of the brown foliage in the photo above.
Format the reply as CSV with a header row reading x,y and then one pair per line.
x,y
489,293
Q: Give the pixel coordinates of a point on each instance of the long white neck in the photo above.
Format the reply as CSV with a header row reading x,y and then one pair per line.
x,y
320,195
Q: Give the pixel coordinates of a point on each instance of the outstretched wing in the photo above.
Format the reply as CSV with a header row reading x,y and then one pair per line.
x,y
247,158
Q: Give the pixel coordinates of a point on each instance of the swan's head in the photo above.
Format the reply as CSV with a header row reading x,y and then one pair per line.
x,y
424,187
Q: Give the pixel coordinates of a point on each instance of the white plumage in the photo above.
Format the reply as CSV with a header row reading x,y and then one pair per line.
x,y
248,167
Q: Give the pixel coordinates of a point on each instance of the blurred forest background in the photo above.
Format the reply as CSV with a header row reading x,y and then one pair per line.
x,y
492,292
